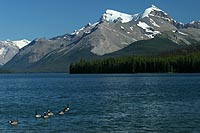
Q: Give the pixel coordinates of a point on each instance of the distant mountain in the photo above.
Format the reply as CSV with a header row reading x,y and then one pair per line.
x,y
8,49
115,31
20,43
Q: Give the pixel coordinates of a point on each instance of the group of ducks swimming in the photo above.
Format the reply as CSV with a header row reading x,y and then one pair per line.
x,y
45,115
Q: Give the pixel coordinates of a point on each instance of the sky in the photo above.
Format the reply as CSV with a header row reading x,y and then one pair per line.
x,y
30,19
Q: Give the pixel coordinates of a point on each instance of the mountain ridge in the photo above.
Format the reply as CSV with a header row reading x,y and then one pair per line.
x,y
113,32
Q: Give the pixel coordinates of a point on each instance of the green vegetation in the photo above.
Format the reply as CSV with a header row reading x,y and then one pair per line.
x,y
4,71
178,63
154,46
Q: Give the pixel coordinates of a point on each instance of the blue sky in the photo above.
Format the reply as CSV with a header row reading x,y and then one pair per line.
x,y
32,19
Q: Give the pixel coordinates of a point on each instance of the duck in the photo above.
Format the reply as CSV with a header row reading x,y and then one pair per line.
x,y
37,115
49,113
45,115
61,112
66,108
13,122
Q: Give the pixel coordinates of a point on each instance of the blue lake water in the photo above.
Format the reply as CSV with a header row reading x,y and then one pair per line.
x,y
101,103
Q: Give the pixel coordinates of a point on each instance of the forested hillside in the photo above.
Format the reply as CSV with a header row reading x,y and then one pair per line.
x,y
176,63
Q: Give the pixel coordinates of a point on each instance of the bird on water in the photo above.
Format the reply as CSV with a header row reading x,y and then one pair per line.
x,y
37,115
13,122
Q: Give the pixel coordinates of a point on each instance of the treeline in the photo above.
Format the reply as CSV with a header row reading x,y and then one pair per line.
x,y
184,63
4,71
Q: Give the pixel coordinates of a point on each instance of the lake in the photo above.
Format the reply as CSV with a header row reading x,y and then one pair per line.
x,y
101,103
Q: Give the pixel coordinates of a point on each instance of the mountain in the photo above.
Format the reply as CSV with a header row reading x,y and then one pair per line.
x,y
155,46
21,43
8,49
115,31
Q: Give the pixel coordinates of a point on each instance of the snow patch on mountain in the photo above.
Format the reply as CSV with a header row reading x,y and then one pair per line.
x,y
3,51
131,28
150,32
122,27
192,22
154,23
76,32
182,33
176,31
113,16
144,26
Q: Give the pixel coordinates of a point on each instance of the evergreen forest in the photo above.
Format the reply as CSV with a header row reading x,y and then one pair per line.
x,y
175,63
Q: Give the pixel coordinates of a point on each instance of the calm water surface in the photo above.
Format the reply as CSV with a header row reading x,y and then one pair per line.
x,y
101,103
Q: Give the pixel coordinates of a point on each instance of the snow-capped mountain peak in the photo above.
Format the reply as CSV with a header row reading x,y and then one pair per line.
x,y
21,43
8,49
113,16
18,43
149,10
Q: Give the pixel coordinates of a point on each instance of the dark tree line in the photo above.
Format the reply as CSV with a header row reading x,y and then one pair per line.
x,y
4,71
185,63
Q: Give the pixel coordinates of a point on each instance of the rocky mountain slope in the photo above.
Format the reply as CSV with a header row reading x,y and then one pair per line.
x,y
113,32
